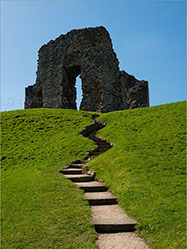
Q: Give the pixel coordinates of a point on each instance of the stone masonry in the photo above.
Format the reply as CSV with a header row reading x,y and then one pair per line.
x,y
86,52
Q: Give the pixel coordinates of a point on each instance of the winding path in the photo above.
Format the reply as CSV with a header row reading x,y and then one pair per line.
x,y
114,228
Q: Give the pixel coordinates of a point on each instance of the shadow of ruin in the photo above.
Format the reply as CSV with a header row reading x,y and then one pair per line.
x,y
89,53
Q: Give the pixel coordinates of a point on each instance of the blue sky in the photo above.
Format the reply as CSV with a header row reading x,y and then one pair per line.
x,y
148,36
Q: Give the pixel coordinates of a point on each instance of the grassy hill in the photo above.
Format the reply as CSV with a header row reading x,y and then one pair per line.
x,y
40,208
145,169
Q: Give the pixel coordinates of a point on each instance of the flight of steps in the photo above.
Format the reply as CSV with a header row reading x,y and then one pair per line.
x,y
115,229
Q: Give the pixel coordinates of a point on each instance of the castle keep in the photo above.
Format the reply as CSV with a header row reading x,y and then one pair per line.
x,y
88,53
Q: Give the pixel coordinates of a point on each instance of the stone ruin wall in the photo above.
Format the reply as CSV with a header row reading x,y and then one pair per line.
x,y
88,53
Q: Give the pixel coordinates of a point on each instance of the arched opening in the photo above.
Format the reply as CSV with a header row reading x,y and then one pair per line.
x,y
78,87
74,85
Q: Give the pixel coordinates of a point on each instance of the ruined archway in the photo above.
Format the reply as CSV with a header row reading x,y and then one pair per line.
x,y
71,73
79,95
88,53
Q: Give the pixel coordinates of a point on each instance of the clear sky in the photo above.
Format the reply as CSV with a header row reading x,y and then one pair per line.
x,y
148,36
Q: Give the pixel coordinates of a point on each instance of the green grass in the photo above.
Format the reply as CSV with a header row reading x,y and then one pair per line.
x,y
40,208
146,170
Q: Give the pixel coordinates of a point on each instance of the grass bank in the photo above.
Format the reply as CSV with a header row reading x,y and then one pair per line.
x,y
40,208
146,170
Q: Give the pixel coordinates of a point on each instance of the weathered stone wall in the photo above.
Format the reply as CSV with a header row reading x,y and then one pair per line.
x,y
137,92
88,53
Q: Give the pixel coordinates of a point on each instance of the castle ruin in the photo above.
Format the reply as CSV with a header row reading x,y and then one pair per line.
x,y
86,52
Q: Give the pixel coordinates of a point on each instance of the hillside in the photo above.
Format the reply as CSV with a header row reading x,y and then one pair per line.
x,y
145,169
40,208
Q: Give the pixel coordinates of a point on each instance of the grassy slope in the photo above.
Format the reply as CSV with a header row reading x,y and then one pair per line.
x,y
146,170
40,208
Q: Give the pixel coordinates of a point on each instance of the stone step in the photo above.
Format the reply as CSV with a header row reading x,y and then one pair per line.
x,y
71,171
93,186
128,240
76,165
80,178
103,147
90,157
101,198
79,162
111,219
94,153
101,151
101,142
92,136
113,225
97,152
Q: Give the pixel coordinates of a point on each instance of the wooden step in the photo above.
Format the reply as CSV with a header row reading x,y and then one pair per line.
x,y
71,171
101,198
80,178
93,186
